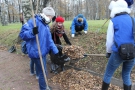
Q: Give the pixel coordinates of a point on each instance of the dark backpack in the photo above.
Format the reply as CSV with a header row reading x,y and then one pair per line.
x,y
23,47
127,51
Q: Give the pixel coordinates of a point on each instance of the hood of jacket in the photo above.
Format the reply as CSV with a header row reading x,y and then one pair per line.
x,y
118,7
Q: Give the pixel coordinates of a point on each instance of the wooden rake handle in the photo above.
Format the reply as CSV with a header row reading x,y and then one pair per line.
x,y
99,55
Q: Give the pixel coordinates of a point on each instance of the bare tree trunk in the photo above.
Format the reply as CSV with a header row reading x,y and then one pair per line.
x,y
9,17
4,12
45,3
13,13
27,9
97,11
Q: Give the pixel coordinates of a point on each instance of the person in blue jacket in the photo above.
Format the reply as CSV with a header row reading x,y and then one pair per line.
x,y
28,32
120,32
79,23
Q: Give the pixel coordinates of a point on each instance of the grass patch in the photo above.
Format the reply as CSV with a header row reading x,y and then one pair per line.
x,y
12,26
10,32
96,25
93,25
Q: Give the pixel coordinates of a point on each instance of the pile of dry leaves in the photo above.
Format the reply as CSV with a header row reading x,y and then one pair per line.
x,y
79,80
73,51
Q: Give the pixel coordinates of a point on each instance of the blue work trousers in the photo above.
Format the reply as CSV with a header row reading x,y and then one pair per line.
x,y
33,67
113,63
41,80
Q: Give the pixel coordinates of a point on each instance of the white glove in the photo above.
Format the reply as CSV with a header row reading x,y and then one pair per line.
x,y
85,32
73,35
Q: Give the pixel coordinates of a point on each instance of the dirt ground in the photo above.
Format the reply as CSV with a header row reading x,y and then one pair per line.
x,y
15,73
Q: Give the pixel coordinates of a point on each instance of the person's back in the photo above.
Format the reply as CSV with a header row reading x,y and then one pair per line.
x,y
120,32
122,29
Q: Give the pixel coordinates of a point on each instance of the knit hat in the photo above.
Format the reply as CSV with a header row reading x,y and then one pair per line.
x,y
48,11
80,16
118,7
59,19
118,4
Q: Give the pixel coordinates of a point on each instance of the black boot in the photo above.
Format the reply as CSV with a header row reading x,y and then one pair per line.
x,y
127,87
105,86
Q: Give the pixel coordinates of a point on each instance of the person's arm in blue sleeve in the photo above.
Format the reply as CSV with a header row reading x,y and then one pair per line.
x,y
26,32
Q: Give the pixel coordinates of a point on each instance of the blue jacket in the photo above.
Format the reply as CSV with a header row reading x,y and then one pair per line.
x,y
75,22
123,32
44,35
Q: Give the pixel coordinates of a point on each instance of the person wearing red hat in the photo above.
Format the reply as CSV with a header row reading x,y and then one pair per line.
x,y
57,31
